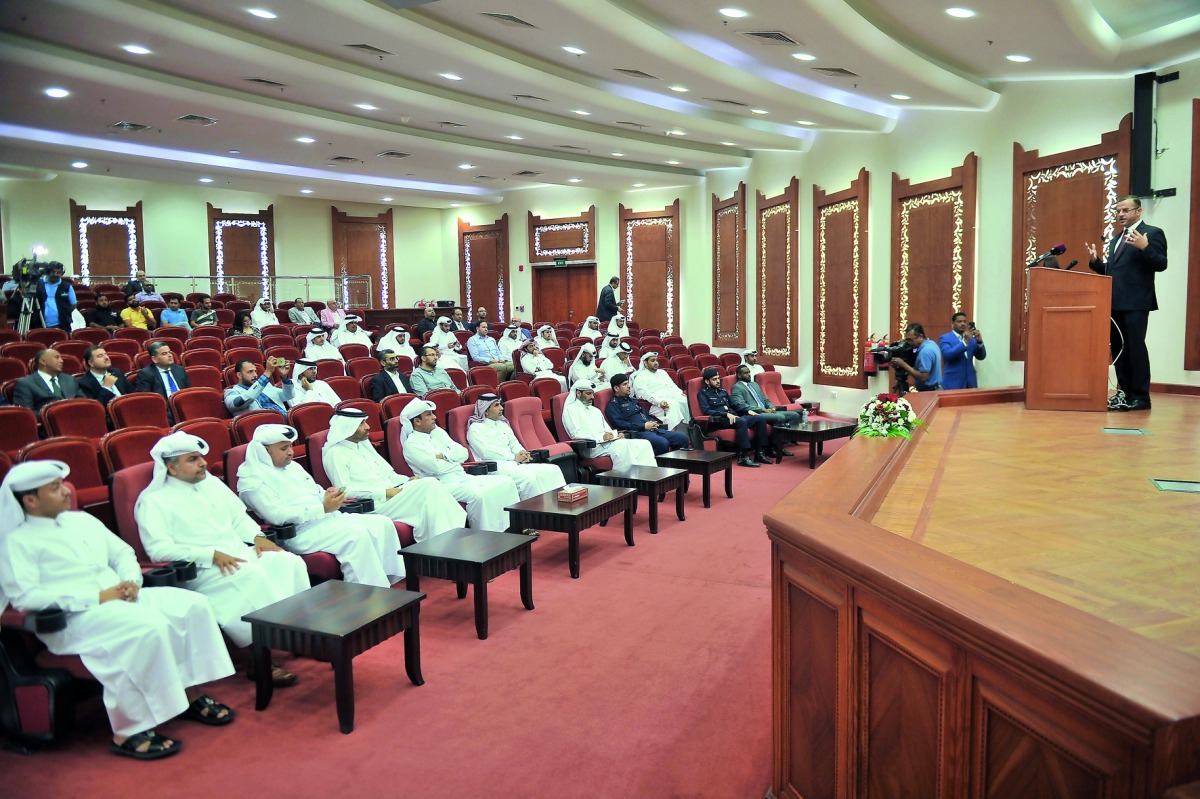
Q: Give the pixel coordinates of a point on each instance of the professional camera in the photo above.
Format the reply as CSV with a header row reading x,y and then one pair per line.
x,y
31,270
897,349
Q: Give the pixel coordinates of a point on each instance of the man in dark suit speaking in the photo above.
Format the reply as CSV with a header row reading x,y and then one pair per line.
x,y
101,381
1131,259
162,376
46,384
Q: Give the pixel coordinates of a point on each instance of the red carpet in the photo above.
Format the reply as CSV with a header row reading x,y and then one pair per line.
x,y
648,676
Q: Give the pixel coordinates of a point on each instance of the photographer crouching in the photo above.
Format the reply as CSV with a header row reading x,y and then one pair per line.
x,y
925,368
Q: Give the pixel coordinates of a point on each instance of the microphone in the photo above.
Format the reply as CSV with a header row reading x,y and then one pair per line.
x,y
1057,249
1072,265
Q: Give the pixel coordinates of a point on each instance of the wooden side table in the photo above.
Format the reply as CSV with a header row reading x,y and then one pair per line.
x,y
545,512
705,463
651,482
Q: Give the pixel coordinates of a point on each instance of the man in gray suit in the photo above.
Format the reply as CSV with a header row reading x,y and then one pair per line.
x,y
750,394
47,384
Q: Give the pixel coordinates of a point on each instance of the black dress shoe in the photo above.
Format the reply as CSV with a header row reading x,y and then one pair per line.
x,y
1135,405
784,453
744,460
763,459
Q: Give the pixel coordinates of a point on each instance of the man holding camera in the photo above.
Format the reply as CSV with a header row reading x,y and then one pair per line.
x,y
961,347
254,392
57,297
927,373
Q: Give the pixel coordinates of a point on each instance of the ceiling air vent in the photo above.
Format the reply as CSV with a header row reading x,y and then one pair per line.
x,y
450,124
366,48
637,73
508,19
132,127
572,147
265,82
637,125
196,119
393,154
835,72
345,159
526,173
723,101
773,38
532,98
484,177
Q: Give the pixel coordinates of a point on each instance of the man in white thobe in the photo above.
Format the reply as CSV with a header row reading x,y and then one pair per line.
x,y
184,515
750,358
511,340
535,362
591,328
318,347
281,492
431,452
611,346
351,333
585,367
148,648
309,389
450,352
397,341
668,404
351,461
491,438
584,420
620,362
263,314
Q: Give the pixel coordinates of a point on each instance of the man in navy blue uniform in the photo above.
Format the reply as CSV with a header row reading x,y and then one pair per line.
x,y
625,413
718,406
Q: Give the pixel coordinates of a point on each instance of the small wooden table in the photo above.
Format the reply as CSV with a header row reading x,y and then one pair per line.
x,y
705,463
335,621
545,512
475,557
651,482
815,433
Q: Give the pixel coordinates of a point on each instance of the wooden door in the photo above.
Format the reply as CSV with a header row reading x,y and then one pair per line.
x,y
564,293
362,248
241,252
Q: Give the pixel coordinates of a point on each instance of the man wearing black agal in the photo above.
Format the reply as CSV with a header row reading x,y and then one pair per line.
x,y
1135,253
718,406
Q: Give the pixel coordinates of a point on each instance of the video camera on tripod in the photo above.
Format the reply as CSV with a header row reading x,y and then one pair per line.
x,y
27,273
883,355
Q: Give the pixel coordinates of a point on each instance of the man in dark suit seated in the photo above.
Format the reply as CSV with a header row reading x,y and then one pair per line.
x,y
427,324
162,376
751,432
46,384
390,380
101,381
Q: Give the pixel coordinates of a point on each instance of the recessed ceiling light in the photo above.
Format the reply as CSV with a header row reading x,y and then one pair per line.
x,y
79,164
680,89
672,163
235,152
728,144
466,166
306,191
204,180
759,111
961,13
136,49
574,50
804,56
386,199
455,205
638,185
262,13
57,93
805,122
574,180
617,155
449,76
366,106
515,137
306,140
676,133
732,13
581,112
901,97
1020,59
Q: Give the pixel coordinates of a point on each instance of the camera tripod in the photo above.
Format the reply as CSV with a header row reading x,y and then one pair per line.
x,y
30,305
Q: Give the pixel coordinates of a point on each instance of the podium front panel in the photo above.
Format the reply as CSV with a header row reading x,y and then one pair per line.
x,y
1066,368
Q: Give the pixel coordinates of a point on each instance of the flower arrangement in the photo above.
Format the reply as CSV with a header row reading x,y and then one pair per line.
x,y
887,416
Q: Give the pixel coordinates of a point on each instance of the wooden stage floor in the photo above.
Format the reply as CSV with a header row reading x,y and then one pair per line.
x,y
1050,502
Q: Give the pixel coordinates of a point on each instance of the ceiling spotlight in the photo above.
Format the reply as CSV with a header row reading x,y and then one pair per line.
x,y
261,13
672,163
204,180
306,140
136,49
676,133
638,185
680,89
581,112
758,111
366,106
574,180
449,76
961,13
455,205
574,50
386,199
306,191
901,97
57,93
79,164
515,137
804,56
466,166
732,13
617,155
728,144
1020,59
805,122
235,152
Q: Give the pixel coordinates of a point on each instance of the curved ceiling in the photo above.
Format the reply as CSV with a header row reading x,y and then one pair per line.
x,y
463,101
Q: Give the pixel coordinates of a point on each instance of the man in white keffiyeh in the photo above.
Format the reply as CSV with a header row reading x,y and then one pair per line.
x,y
491,439
584,420
668,403
535,362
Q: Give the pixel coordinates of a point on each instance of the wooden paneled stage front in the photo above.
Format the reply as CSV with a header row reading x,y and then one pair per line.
x,y
1003,607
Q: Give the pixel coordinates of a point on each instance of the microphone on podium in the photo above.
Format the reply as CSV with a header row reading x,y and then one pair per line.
x,y
1054,252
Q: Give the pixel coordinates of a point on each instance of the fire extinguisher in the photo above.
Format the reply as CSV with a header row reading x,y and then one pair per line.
x,y
869,365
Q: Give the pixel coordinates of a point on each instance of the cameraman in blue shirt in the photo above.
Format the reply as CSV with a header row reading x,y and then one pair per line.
x,y
927,374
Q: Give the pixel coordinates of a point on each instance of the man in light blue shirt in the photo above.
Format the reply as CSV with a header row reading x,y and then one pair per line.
x,y
486,352
174,316
148,293
57,298
927,374
254,392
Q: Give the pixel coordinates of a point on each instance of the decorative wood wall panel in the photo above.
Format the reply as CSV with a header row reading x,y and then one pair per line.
x,y
483,267
362,245
778,275
106,242
1191,333
649,250
933,250
241,251
570,237
840,271
1064,198
729,269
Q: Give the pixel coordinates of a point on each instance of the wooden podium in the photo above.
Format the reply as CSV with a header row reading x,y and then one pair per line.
x,y
1067,352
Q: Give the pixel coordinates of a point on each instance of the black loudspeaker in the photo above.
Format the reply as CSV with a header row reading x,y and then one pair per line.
x,y
445,303
1141,146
